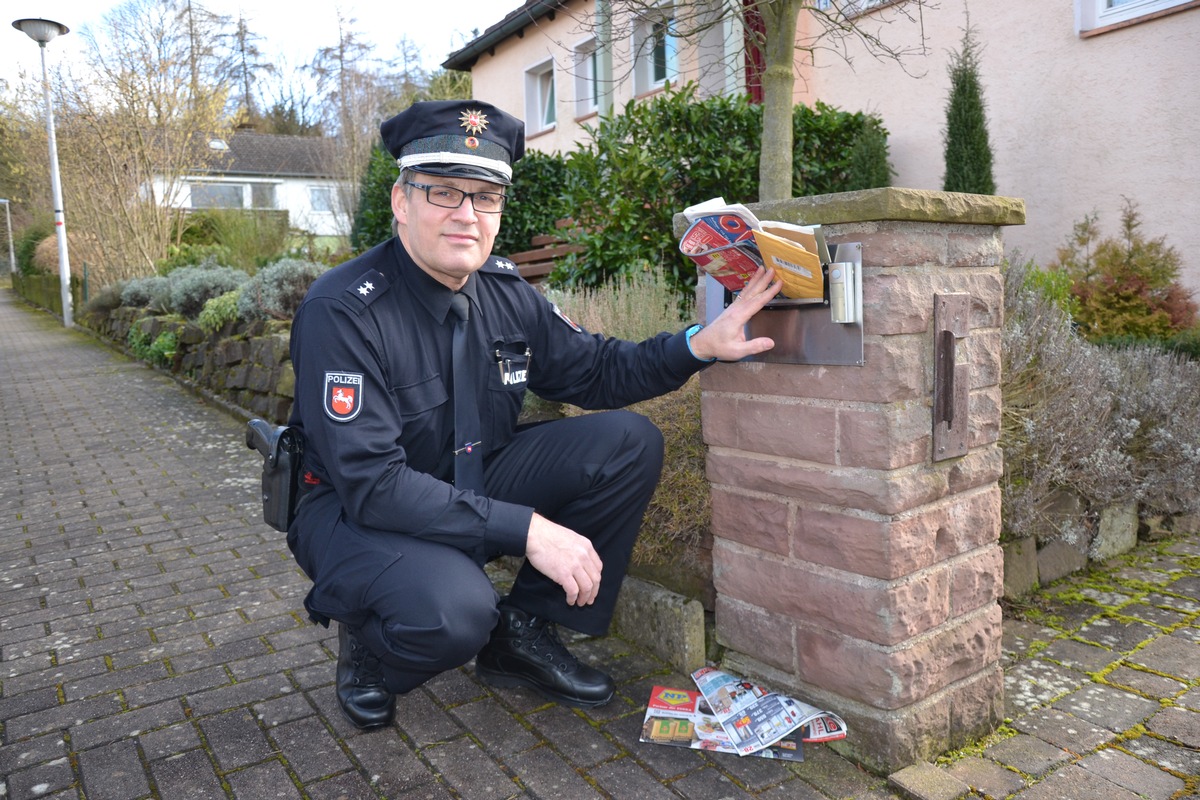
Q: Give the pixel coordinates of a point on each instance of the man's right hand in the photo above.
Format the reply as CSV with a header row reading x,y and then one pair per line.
x,y
566,558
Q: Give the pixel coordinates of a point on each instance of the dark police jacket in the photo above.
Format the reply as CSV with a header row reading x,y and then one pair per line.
x,y
371,347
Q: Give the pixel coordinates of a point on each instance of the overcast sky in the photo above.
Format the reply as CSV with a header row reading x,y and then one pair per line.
x,y
293,31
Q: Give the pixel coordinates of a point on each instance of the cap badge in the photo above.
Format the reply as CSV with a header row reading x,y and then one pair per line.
x,y
471,142
474,120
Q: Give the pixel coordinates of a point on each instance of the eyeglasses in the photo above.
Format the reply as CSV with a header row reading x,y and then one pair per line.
x,y
449,197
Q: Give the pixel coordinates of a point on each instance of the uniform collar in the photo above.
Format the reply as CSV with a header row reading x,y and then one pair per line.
x,y
431,294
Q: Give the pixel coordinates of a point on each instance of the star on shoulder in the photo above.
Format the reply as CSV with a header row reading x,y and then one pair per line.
x,y
500,266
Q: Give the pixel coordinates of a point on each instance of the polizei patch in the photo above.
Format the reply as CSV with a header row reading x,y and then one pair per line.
x,y
343,395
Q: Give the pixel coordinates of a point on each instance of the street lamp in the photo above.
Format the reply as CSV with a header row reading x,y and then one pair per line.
x,y
42,31
12,258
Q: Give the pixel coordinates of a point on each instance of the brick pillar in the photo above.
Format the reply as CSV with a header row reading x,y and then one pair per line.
x,y
851,567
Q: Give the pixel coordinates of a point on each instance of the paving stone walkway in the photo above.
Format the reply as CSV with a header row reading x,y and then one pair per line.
x,y
152,644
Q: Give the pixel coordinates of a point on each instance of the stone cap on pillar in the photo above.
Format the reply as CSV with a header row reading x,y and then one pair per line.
x,y
888,203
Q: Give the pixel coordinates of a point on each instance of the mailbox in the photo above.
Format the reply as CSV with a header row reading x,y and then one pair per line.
x,y
807,332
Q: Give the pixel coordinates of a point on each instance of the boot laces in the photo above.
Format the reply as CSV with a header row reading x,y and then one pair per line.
x,y
545,643
368,671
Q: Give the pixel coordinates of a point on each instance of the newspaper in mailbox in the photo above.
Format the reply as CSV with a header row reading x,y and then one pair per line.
x,y
730,243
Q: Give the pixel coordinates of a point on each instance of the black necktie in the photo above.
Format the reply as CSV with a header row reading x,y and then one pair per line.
x,y
468,456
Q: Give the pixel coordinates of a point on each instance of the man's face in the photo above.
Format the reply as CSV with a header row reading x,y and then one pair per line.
x,y
448,243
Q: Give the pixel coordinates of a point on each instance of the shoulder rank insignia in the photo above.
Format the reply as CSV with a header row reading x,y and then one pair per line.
x,y
500,266
367,287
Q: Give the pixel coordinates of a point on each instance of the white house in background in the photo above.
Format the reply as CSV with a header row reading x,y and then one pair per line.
x,y
263,171
1088,101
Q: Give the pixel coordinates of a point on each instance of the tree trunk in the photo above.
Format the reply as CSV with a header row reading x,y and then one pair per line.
x,y
778,81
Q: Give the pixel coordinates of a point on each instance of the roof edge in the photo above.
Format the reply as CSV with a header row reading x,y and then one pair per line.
x,y
532,11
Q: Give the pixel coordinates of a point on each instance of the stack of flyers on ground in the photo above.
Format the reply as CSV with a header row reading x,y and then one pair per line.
x,y
730,243
731,715
683,719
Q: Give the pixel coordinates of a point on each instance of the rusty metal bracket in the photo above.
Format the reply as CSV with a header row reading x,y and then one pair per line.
x,y
951,380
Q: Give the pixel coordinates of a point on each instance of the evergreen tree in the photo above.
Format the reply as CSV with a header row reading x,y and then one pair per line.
x,y
868,167
968,153
373,215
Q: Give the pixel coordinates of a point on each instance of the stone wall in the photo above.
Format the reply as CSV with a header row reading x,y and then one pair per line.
x,y
247,365
852,566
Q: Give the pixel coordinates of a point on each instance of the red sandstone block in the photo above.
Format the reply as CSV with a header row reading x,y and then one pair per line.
x,y
977,580
976,706
977,246
890,548
913,246
885,612
900,300
984,348
983,413
791,429
718,415
970,520
884,436
874,491
909,672
761,521
770,638
979,467
896,301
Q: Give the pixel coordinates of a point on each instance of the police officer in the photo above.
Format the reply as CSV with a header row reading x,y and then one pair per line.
x,y
401,510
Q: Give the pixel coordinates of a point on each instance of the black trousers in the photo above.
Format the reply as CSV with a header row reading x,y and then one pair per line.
x,y
434,608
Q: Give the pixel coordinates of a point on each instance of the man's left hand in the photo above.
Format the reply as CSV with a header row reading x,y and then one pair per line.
x,y
725,337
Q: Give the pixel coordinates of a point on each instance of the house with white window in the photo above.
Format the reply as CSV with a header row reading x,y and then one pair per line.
x,y
269,172
1089,101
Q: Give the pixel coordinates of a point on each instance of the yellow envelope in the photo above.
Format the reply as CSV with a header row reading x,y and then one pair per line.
x,y
798,267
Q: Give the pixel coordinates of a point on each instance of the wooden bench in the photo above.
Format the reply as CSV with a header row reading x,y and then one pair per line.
x,y
536,264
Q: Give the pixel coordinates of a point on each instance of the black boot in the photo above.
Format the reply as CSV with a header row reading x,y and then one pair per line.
x,y
361,692
525,651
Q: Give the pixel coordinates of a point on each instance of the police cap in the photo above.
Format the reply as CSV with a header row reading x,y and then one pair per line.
x,y
456,139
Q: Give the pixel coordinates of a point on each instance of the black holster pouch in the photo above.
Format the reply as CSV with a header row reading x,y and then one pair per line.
x,y
282,449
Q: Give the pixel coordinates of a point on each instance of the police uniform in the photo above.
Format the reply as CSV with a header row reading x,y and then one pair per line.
x,y
394,549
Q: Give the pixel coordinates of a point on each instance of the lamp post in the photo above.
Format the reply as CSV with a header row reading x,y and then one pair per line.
x,y
12,258
42,31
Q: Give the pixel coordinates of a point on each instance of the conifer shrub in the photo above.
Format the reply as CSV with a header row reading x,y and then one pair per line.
x,y
275,292
867,166
968,152
373,218
1125,285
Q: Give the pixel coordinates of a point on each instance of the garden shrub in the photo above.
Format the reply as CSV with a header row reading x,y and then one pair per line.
x,y
535,204
1112,425
825,141
680,510
153,292
1057,425
1155,396
867,166
25,243
275,291
659,156
219,311
189,255
1126,285
192,287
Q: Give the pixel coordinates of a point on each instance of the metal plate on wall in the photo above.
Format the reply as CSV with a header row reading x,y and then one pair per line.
x,y
803,332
